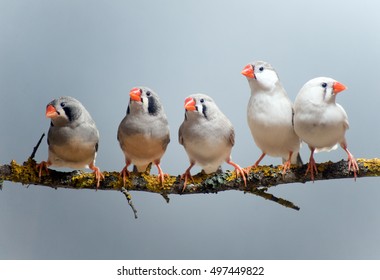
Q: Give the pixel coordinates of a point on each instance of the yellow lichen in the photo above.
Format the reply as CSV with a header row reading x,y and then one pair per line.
x,y
116,184
199,178
267,171
154,184
24,173
231,177
323,166
169,181
83,180
373,166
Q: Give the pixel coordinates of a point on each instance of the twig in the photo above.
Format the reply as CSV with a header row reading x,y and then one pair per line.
x,y
37,146
166,197
129,199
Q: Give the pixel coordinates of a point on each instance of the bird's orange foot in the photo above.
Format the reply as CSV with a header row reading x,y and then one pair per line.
x,y
185,176
161,175
162,178
352,165
249,168
311,167
286,167
42,165
239,171
124,173
98,175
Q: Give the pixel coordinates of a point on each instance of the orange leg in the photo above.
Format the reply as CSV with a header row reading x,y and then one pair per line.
x,y
43,165
352,164
125,171
287,164
187,175
161,175
248,169
98,175
239,171
311,165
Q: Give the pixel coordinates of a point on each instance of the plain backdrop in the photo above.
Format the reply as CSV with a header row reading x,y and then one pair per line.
x,y
96,51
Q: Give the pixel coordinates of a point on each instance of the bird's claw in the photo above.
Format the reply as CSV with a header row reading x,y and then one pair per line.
x,y
98,175
124,173
248,169
286,167
311,167
161,175
185,177
161,178
239,171
353,165
42,165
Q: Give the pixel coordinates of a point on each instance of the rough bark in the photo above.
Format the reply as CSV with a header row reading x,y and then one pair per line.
x,y
259,180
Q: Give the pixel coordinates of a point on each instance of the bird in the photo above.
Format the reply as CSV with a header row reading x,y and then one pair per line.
x,y
270,115
207,136
73,138
320,122
143,134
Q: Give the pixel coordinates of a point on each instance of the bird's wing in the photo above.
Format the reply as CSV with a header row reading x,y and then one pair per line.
x,y
345,123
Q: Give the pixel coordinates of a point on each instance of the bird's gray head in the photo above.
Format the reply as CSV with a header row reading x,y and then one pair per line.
x,y
261,74
322,90
64,111
144,99
200,105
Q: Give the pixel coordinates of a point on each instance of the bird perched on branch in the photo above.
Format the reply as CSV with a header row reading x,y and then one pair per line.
x,y
270,115
207,136
321,122
72,138
143,134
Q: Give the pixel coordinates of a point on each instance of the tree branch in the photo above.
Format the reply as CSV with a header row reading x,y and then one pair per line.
x,y
259,180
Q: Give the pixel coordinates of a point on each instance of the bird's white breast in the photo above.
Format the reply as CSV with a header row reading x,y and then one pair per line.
x,y
321,126
270,121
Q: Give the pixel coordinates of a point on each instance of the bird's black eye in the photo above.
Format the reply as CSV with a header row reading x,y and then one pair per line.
x,y
148,93
324,85
202,100
261,68
63,104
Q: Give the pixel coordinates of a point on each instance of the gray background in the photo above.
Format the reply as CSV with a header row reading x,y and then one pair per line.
x,y
97,51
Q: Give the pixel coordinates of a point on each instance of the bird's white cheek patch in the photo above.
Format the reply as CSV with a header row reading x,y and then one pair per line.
x,y
138,105
145,103
328,94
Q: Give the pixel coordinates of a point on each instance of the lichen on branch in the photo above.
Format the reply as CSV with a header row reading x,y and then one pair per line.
x,y
259,179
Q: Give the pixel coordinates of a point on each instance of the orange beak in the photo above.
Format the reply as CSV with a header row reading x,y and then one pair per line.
x,y
338,87
248,71
190,104
51,112
135,94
